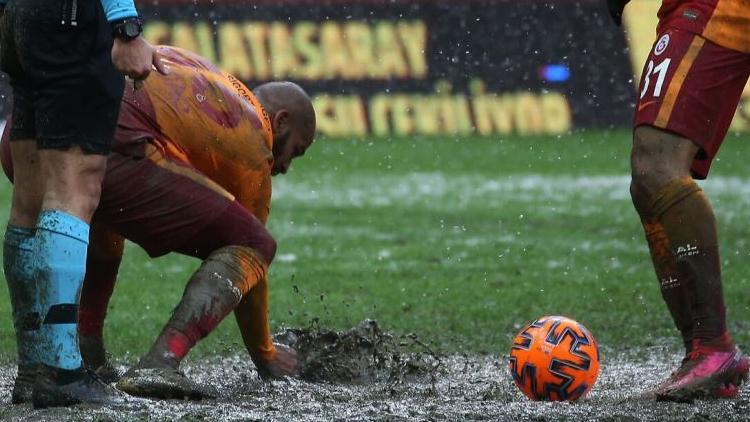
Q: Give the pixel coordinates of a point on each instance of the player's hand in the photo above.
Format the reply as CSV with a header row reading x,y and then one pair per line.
x,y
616,8
135,58
284,364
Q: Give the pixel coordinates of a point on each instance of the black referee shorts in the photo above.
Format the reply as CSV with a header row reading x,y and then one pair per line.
x,y
65,89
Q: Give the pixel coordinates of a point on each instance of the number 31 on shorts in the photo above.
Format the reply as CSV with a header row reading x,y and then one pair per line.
x,y
655,71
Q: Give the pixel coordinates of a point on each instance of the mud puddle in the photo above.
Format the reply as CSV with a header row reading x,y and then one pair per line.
x,y
368,374
362,355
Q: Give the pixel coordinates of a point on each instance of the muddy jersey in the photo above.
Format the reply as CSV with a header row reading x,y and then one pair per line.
x,y
206,119
724,22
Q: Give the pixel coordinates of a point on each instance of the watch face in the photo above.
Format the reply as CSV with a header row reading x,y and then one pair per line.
x,y
131,29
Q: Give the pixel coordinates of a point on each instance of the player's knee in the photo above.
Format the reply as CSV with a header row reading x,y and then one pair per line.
x,y
252,236
266,246
651,163
643,155
75,187
90,198
639,196
81,199
641,168
248,231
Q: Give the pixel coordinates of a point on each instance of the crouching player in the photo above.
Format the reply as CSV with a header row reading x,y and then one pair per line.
x,y
691,84
190,172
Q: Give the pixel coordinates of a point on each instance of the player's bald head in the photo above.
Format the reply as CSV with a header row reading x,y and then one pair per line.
x,y
277,96
292,119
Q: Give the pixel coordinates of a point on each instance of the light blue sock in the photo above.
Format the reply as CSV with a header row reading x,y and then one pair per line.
x,y
60,250
18,260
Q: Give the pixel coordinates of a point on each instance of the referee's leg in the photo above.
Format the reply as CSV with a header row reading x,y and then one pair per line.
x,y
67,96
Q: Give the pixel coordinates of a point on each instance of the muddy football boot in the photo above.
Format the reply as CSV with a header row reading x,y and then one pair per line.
x,y
107,373
706,372
24,384
97,360
55,387
163,383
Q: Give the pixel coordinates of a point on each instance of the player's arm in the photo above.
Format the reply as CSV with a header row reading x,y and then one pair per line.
x,y
616,7
253,192
132,55
252,312
272,360
102,265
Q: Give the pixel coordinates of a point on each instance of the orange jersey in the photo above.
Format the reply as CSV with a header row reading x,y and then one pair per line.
x,y
723,22
207,119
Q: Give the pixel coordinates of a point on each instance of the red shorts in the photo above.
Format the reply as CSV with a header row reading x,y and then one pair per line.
x,y
166,206
691,87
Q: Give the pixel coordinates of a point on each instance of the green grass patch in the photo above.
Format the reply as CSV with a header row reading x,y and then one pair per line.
x,y
460,241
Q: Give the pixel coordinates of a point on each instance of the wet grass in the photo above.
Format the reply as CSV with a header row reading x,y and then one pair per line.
x,y
459,241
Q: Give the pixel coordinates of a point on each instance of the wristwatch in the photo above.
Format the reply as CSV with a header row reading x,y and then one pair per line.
x,y
127,29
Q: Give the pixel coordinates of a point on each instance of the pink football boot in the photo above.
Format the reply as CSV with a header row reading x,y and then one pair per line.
x,y
708,371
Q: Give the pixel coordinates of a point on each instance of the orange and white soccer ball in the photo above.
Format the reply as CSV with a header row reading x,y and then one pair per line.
x,y
554,358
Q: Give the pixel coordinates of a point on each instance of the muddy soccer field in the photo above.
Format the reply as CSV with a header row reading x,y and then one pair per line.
x,y
451,246
363,374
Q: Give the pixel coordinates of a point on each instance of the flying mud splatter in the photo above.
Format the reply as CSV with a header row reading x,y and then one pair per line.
x,y
361,355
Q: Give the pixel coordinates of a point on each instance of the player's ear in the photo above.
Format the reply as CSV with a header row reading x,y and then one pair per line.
x,y
281,121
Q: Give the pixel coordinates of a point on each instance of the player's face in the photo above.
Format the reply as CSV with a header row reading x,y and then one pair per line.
x,y
291,140
286,148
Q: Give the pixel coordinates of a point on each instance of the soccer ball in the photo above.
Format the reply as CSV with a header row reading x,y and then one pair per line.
x,y
554,358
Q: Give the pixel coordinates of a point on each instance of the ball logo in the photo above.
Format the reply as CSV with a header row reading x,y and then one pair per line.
x,y
661,45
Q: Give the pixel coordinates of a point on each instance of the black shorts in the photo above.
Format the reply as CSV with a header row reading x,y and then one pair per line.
x,y
65,89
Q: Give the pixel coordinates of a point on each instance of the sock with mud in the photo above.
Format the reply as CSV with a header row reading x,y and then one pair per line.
x,y
689,222
18,260
95,294
212,293
60,249
675,292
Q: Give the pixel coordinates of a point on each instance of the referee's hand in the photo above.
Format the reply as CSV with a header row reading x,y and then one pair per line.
x,y
136,57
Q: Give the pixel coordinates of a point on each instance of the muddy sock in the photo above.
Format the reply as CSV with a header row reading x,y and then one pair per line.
x,y
212,292
675,292
92,310
689,222
723,343
18,267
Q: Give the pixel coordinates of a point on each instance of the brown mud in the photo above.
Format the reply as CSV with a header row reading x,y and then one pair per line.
x,y
367,374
